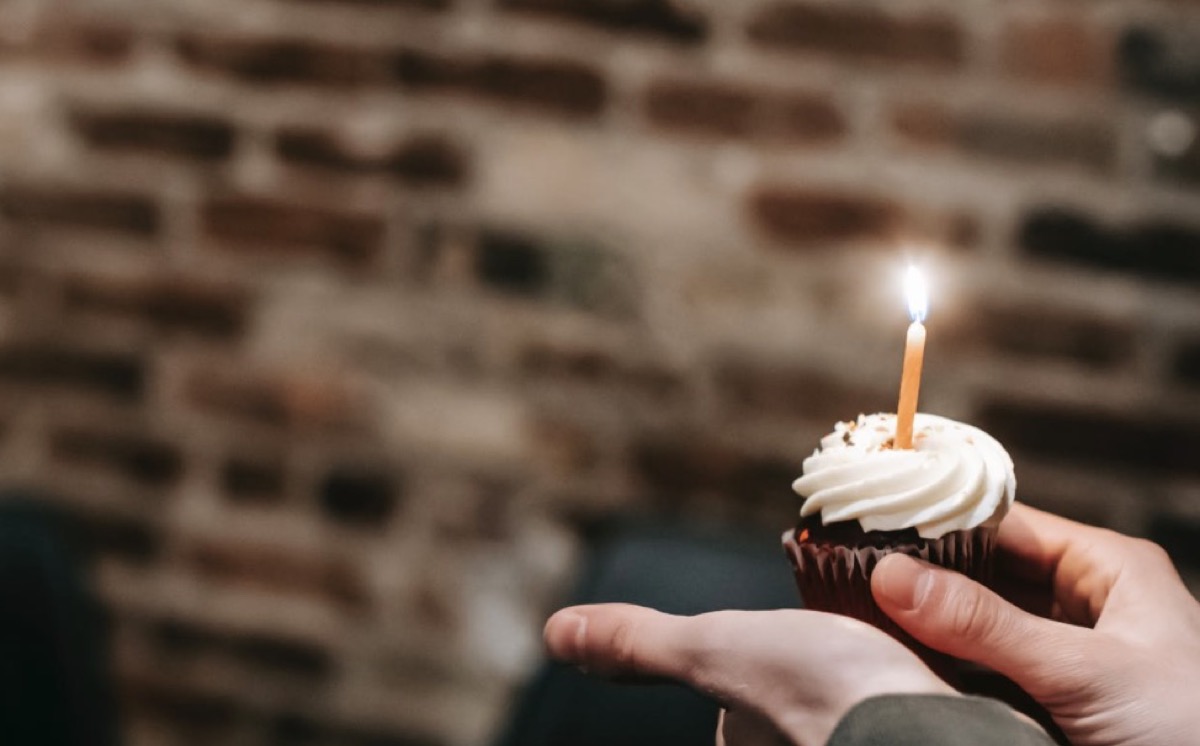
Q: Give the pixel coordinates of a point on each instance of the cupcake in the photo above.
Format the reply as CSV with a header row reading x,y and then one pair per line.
x,y
861,499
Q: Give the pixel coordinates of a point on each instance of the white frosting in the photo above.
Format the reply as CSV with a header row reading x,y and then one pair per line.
x,y
956,477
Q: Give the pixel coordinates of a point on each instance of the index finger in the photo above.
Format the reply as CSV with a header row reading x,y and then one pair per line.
x,y
1033,542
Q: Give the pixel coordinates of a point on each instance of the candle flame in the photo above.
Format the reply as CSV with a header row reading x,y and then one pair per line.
x,y
917,293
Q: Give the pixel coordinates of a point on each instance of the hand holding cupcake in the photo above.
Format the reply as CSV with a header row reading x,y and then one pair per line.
x,y
862,499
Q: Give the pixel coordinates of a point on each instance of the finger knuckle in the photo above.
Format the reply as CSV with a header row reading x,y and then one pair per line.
x,y
1155,551
623,644
971,617
1148,552
1106,536
709,638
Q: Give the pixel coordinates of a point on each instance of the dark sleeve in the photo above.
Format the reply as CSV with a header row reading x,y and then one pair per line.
x,y
934,720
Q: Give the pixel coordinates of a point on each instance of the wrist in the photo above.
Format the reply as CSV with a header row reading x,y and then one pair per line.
x,y
917,680
815,724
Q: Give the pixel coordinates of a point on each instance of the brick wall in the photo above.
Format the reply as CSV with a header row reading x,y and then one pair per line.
x,y
330,322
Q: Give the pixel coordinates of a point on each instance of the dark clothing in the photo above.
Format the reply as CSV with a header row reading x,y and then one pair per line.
x,y
933,720
54,688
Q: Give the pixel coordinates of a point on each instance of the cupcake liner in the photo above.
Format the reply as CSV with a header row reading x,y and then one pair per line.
x,y
837,578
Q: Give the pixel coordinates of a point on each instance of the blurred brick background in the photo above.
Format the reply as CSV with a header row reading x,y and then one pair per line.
x,y
332,321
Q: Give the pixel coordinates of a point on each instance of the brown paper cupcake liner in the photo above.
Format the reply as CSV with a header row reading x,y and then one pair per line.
x,y
837,578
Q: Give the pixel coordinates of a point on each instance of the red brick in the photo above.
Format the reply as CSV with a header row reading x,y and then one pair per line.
x,y
206,715
301,659
1042,332
729,110
1160,61
1159,249
141,458
812,218
359,495
75,42
5,424
169,303
1085,143
431,606
858,32
421,160
278,569
292,658
482,511
514,264
14,274
566,447
1093,437
960,229
572,271
266,61
96,44
1186,362
801,117
1182,169
581,364
155,132
551,86
660,18
292,399
268,225
688,466
926,124
795,392
55,366
1060,50
79,208
106,533
709,108
413,4
554,86
253,480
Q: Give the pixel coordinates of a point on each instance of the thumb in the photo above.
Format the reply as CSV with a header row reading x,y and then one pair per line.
x,y
619,640
707,652
953,614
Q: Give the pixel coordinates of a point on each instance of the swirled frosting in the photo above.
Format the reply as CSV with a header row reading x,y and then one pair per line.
x,y
956,477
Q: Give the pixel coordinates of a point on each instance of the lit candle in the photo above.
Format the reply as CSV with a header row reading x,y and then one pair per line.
x,y
914,356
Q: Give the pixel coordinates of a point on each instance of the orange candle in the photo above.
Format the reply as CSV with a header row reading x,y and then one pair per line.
x,y
914,357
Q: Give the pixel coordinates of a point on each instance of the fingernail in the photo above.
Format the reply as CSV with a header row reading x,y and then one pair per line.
x,y
905,583
565,635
